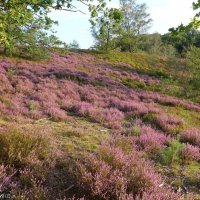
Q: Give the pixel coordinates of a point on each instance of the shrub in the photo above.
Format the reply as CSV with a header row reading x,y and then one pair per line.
x,y
151,140
109,117
135,131
171,154
6,175
132,106
34,147
191,136
30,187
114,174
193,64
160,194
35,53
56,114
190,153
169,122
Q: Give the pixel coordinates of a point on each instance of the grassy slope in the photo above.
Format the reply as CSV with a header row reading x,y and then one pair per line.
x,y
79,135
172,72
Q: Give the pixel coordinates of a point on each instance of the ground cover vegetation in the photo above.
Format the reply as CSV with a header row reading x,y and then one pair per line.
x,y
118,122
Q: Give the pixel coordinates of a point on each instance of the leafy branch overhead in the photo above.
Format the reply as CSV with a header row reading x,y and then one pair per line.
x,y
24,23
194,24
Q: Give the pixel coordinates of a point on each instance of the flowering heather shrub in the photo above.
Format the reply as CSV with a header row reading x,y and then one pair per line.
x,y
151,140
87,94
83,108
131,106
113,174
6,174
56,114
159,194
5,84
168,122
69,89
67,80
30,186
4,64
2,108
191,136
167,100
24,85
28,147
109,117
190,153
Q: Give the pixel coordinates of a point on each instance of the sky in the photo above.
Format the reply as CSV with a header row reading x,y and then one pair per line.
x,y
165,14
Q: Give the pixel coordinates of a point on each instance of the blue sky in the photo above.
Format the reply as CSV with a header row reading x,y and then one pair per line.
x,y
165,14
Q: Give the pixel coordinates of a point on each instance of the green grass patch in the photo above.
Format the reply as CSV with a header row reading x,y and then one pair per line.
x,y
191,118
133,83
79,136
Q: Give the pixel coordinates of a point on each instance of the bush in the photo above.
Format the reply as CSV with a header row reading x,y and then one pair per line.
x,y
193,64
152,43
6,174
114,174
30,187
151,140
169,122
27,147
191,136
111,117
190,153
171,154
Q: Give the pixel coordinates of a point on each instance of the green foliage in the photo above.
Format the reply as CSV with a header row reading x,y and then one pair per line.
x,y
25,24
106,28
32,106
152,43
135,131
182,41
127,42
133,83
193,65
193,25
119,28
171,154
136,19
74,45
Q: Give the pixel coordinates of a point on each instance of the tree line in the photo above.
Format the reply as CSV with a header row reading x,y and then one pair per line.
x,y
130,32
27,30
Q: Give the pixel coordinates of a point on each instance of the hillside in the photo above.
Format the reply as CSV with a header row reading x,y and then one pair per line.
x,y
99,126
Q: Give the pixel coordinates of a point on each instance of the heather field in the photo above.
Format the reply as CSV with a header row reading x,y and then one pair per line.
x,y
99,126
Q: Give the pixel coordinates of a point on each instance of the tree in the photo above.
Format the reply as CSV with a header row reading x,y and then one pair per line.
x,y
136,19
22,23
136,22
106,28
183,41
25,22
74,45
